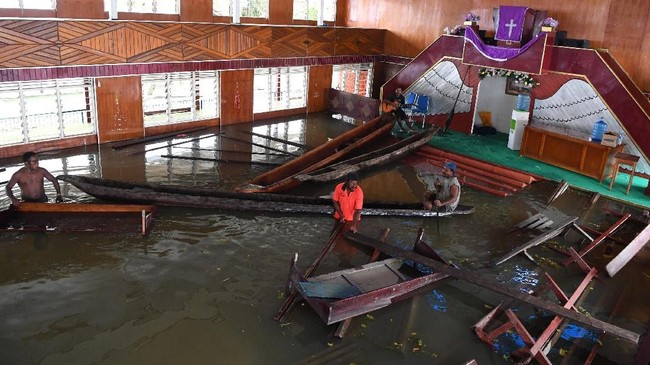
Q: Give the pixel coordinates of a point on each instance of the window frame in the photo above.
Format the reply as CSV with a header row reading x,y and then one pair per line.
x,y
236,10
173,113
319,8
59,121
21,5
276,86
356,70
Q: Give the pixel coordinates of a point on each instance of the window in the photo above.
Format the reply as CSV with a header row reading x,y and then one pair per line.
x,y
46,110
313,9
353,78
241,8
179,97
29,4
144,6
279,89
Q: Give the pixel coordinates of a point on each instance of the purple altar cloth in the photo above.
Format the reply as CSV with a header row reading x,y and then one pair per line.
x,y
496,53
511,23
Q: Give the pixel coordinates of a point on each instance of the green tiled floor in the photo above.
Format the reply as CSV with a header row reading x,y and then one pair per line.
x,y
494,148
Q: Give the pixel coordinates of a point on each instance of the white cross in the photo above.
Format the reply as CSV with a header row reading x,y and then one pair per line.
x,y
510,26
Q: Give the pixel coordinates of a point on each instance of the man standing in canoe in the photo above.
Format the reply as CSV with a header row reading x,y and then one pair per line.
x,y
30,180
446,191
348,201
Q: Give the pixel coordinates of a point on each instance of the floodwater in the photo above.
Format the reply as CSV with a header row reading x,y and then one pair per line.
x,y
204,286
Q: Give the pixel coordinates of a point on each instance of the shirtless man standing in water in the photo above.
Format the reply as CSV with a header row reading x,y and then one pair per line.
x,y
30,180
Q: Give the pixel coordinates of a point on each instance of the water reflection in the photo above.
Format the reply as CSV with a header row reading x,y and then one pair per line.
x,y
204,286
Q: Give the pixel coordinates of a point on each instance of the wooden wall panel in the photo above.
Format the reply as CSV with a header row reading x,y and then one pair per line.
x,y
320,81
119,108
81,9
236,97
617,25
37,43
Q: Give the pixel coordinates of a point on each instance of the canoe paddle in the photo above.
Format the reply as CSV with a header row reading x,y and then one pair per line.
x,y
438,219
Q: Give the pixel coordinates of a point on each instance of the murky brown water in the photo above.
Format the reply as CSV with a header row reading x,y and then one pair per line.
x,y
204,286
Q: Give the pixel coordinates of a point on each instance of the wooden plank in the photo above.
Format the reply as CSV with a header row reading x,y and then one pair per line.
x,y
527,221
498,288
535,241
290,143
628,252
81,208
263,163
261,146
120,145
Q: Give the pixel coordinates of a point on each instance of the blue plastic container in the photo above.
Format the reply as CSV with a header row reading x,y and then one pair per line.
x,y
600,127
523,102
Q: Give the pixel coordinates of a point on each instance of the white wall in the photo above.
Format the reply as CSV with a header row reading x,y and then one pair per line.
x,y
491,96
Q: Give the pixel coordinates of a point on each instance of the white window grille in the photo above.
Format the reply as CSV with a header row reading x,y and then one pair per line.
x,y
46,110
279,88
29,4
180,97
353,78
317,10
241,8
145,6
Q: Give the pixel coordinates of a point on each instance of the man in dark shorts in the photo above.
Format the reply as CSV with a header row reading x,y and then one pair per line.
x,y
30,180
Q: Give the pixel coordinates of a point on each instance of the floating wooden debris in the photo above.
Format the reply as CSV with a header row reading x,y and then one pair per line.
x,y
539,221
598,239
280,140
629,252
496,287
536,241
558,191
534,348
263,163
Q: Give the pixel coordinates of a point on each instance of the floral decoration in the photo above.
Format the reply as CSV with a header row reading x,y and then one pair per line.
x,y
521,77
550,22
471,17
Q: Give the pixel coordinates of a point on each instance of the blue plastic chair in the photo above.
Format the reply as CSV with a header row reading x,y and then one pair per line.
x,y
421,108
410,100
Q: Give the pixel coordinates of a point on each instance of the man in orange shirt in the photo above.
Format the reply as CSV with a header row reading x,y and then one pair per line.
x,y
348,201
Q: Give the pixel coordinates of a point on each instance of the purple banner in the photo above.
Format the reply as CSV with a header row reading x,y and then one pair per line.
x,y
496,53
511,23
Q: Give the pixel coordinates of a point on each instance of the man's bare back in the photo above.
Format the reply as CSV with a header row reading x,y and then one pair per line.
x,y
30,180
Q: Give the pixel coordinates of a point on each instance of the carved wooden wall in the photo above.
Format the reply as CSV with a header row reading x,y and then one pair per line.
x,y
42,43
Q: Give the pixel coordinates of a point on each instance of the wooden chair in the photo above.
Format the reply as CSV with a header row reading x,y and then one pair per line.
x,y
621,158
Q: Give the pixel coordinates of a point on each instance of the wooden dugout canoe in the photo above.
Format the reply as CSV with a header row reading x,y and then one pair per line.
x,y
76,217
379,157
281,178
112,190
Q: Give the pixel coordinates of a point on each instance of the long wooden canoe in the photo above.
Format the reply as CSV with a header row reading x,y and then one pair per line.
x,y
352,292
375,158
76,217
282,178
121,191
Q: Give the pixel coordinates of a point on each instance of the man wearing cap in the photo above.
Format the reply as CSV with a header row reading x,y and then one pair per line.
x,y
348,201
447,190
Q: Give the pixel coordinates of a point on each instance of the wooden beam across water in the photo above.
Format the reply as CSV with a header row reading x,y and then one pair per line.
x,y
498,288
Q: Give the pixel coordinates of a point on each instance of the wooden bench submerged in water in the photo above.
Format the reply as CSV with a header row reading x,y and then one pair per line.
x,y
77,217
